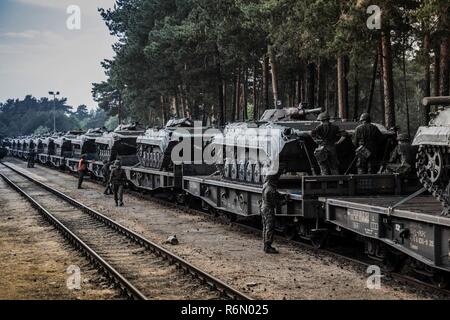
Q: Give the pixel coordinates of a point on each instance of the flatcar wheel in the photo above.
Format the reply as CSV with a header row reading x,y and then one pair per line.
x,y
319,238
440,280
290,232
392,262
228,217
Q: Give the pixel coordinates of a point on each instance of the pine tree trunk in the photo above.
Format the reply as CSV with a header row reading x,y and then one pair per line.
x,y
310,84
238,95
437,71
426,85
388,81
444,66
322,72
445,49
381,86
341,88
265,81
245,96
255,93
274,69
356,94
233,104
372,83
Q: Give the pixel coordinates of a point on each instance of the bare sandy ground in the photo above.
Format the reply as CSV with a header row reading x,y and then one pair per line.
x,y
34,257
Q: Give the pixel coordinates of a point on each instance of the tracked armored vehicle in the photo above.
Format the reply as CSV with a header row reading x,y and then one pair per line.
x,y
63,148
280,142
48,149
120,144
433,157
156,145
83,144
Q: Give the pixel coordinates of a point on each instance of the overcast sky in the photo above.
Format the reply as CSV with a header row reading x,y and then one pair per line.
x,y
39,53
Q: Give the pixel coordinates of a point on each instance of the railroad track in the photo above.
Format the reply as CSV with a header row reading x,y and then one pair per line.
x,y
140,268
364,263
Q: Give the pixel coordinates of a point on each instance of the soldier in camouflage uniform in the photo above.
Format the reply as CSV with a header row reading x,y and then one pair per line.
x,y
106,171
270,198
402,157
118,180
366,139
326,153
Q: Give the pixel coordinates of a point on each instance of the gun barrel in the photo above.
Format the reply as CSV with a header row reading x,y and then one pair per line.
x,y
433,101
312,111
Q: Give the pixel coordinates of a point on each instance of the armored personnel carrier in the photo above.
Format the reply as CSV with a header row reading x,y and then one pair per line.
x,y
48,149
280,142
120,144
433,157
84,144
63,148
156,145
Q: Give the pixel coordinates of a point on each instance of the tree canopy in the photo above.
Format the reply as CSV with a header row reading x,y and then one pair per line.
x,y
227,60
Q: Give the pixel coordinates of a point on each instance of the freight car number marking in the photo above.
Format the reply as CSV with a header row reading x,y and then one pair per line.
x,y
359,216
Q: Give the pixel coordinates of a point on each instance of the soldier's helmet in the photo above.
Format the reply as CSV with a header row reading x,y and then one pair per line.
x,y
117,163
323,116
365,117
403,137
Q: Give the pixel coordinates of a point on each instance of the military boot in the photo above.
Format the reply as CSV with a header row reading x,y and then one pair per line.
x,y
269,249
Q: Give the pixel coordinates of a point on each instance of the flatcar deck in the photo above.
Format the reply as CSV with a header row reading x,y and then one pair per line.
x,y
422,208
414,227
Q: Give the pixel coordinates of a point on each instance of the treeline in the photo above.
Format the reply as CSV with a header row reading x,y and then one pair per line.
x,y
35,116
229,60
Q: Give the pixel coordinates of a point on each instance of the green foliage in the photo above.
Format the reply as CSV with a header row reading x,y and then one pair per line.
x,y
175,56
41,130
35,116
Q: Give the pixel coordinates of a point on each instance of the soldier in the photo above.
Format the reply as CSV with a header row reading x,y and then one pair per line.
x,y
326,154
82,170
402,157
270,198
118,179
366,139
106,171
31,158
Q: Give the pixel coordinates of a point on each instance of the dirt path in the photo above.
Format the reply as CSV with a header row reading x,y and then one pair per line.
x,y
34,258
233,255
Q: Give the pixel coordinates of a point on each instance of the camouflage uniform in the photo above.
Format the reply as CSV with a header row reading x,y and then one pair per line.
x,y
31,158
367,136
118,179
270,198
106,171
326,154
402,157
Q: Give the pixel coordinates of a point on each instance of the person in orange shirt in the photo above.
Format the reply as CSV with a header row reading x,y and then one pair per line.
x,y
82,170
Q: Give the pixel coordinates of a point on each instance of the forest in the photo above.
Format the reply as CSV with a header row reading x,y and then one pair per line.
x,y
35,116
228,60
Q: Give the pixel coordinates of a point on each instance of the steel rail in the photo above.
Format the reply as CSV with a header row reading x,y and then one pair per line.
x,y
180,263
124,285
